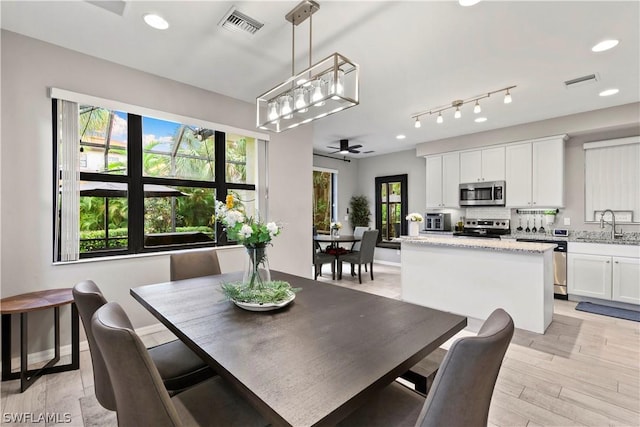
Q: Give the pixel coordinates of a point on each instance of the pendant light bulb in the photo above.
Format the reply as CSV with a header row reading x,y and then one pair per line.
x,y
316,97
439,120
457,114
285,107
273,111
301,100
507,97
418,124
476,108
337,84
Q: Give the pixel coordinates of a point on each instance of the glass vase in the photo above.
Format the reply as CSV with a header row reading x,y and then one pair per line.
x,y
335,232
256,267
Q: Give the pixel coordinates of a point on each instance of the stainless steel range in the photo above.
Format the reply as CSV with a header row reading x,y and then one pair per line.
x,y
485,228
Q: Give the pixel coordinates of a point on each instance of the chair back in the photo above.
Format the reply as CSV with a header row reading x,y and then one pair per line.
x,y
368,246
462,390
358,232
140,394
191,264
88,299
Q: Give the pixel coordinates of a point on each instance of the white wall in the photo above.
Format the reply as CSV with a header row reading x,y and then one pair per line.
x,y
29,68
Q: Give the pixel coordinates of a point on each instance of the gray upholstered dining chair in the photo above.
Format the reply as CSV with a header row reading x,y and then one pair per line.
x,y
461,392
142,400
319,259
187,265
179,367
358,232
363,256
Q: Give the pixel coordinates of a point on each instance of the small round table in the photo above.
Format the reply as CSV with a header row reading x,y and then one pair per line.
x,y
23,304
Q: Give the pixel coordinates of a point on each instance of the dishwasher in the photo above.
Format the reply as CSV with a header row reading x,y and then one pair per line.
x,y
559,266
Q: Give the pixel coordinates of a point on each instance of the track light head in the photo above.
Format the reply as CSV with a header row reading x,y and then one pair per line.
x,y
417,124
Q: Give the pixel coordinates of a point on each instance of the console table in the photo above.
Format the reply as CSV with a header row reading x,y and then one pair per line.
x,y
23,304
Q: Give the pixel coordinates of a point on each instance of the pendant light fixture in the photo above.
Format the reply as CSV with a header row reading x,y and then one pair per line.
x,y
327,87
459,103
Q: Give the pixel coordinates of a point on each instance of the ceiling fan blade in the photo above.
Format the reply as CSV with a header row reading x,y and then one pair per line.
x,y
355,146
333,148
351,150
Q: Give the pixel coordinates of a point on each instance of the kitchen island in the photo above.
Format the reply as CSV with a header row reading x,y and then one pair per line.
x,y
473,277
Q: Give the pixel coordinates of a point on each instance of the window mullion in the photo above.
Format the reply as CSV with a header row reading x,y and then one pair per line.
x,y
136,186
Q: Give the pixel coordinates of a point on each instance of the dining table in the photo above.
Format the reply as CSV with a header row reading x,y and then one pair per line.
x,y
312,362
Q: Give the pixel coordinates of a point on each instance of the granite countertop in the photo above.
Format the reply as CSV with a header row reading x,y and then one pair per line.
x,y
581,237
489,244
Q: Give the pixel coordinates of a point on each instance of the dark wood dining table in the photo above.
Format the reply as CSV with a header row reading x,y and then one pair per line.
x,y
310,363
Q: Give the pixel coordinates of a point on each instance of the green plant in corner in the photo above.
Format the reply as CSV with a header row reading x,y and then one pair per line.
x,y
359,213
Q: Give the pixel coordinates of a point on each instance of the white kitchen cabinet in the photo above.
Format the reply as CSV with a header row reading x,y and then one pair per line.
x,y
534,173
626,280
604,271
482,165
442,180
589,275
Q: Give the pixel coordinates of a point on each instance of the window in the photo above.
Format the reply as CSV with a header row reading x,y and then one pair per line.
x,y
391,208
324,199
149,184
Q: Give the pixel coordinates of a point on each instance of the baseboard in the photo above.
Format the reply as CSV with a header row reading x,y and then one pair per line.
x,y
65,350
394,264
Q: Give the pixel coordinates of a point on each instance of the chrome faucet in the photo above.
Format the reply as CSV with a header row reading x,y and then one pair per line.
x,y
614,234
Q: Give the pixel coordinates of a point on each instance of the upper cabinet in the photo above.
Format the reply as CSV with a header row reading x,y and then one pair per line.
x,y
482,165
442,180
535,173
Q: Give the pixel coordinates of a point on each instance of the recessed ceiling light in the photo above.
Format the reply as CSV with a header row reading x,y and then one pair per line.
x,y
609,92
480,119
401,136
468,2
156,21
605,45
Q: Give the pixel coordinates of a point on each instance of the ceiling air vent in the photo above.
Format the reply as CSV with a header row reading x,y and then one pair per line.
x,y
581,81
237,21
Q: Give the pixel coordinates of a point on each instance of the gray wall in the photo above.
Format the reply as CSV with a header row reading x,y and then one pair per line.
x,y
29,68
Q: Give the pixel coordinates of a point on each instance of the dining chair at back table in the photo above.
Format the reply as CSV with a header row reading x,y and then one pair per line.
x,y
363,256
141,399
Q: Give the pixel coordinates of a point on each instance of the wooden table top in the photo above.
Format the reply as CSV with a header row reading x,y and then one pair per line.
x,y
310,363
38,300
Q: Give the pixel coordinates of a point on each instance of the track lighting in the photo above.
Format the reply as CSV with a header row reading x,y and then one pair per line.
x,y
459,103
507,97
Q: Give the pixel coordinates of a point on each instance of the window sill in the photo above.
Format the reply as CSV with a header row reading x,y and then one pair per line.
x,y
389,245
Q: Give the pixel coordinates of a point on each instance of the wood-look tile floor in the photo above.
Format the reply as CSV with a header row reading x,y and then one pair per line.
x,y
585,370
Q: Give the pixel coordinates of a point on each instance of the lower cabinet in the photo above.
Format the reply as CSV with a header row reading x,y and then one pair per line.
x,y
602,276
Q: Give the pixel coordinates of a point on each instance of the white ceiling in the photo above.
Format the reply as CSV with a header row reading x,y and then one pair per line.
x,y
413,56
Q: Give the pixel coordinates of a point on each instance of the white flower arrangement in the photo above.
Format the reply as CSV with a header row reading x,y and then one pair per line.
x,y
414,217
336,225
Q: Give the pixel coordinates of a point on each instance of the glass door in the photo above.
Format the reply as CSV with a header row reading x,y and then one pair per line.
x,y
391,206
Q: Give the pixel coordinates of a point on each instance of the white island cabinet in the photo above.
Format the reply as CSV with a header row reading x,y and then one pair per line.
x,y
473,277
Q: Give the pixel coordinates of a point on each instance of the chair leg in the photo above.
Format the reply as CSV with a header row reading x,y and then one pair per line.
x,y
333,271
365,267
360,273
315,271
370,269
353,271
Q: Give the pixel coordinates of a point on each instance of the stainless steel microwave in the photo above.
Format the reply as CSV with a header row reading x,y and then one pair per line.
x,y
490,193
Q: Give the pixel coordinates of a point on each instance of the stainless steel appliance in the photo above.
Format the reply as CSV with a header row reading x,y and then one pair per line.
x,y
490,193
559,266
487,228
437,221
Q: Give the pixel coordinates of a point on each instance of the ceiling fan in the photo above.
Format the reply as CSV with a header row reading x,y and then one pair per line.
x,y
345,148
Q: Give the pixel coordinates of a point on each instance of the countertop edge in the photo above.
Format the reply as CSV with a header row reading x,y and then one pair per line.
x,y
488,244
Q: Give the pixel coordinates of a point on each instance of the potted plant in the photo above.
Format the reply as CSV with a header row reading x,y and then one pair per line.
x,y
359,213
